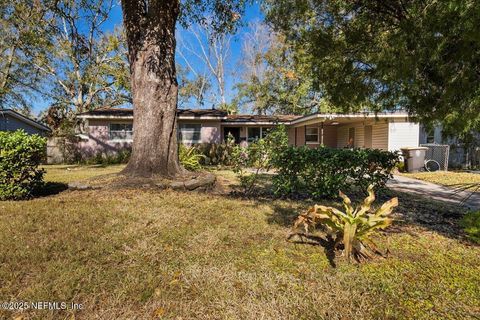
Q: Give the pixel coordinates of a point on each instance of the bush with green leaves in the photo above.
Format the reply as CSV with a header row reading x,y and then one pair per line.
x,y
105,158
20,156
190,157
218,153
322,172
249,161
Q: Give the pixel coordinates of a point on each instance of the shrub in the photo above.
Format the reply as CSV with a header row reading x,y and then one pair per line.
x,y
103,158
190,157
352,227
20,155
471,225
218,154
248,162
322,172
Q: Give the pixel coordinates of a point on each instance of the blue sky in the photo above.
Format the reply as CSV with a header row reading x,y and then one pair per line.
x,y
252,13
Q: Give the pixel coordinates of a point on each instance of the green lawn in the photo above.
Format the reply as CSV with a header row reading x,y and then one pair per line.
x,y
143,254
447,178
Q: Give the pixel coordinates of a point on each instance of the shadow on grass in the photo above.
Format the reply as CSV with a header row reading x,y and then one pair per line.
x,y
50,188
328,244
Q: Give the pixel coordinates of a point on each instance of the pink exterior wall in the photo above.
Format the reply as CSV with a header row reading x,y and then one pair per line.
x,y
99,141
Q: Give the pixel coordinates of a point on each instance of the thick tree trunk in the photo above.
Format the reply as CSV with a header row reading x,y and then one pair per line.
x,y
150,29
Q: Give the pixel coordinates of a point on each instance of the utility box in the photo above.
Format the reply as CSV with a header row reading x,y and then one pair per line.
x,y
414,158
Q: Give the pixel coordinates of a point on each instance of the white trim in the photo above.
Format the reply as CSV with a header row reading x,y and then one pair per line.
x,y
190,141
119,139
261,133
318,135
333,116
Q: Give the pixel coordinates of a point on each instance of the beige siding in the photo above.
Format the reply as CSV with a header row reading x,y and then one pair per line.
x,y
342,136
380,136
359,136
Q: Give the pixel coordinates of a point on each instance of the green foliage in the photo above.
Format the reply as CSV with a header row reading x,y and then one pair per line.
x,y
419,55
105,159
471,225
354,226
20,155
190,157
249,161
218,154
271,79
24,40
322,172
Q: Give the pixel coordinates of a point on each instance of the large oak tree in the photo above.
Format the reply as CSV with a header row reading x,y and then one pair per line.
x,y
150,30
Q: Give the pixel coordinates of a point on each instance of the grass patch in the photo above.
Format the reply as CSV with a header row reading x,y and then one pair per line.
x,y
143,253
71,173
446,178
471,225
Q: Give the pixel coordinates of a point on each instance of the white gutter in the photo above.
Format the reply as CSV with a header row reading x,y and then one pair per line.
x,y
333,116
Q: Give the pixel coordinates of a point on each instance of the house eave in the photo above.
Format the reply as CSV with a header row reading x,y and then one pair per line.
x,y
25,119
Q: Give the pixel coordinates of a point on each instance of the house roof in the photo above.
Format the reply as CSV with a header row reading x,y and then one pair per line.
x,y
213,114
242,118
128,113
24,119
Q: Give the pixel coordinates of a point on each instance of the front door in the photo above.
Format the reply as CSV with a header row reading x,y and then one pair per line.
x,y
234,131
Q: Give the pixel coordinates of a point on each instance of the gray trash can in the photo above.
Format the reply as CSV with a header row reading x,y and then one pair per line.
x,y
414,158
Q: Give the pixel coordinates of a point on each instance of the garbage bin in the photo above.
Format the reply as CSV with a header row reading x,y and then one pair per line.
x,y
414,158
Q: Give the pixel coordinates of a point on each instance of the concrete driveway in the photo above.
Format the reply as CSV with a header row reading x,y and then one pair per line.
x,y
435,191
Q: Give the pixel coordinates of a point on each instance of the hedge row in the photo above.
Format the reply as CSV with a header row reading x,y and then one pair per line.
x,y
322,172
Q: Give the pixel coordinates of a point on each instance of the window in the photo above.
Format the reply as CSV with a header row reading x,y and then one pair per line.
x,y
121,131
190,133
311,135
253,133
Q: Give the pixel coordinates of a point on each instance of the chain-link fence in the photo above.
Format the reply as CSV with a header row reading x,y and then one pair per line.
x,y
439,153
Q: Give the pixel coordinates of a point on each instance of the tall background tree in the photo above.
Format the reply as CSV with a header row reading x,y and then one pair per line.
x,y
423,56
88,67
25,38
272,80
206,54
150,30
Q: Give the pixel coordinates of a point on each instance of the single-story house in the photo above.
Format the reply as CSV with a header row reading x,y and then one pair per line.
x,y
111,129
11,120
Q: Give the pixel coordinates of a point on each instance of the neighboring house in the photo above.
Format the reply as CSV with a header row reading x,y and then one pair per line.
x,y
110,130
459,156
11,120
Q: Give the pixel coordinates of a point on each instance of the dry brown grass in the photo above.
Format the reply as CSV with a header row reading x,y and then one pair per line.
x,y
452,179
141,254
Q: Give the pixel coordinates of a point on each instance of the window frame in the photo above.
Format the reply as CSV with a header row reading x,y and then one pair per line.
x,y
317,141
181,129
248,135
127,134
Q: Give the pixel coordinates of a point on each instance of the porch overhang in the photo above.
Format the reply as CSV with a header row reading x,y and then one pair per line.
x,y
336,119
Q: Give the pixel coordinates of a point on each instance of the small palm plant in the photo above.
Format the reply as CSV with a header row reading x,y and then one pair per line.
x,y
353,227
